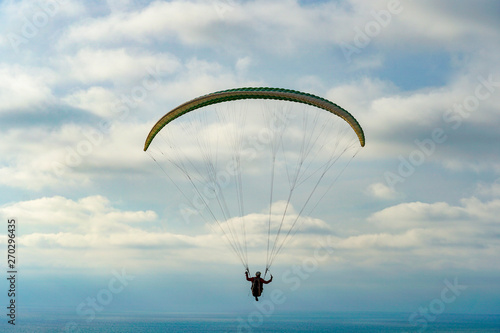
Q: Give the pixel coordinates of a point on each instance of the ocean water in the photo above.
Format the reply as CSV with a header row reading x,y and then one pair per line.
x,y
256,322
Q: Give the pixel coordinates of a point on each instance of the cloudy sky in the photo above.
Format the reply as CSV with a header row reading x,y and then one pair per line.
x,y
417,209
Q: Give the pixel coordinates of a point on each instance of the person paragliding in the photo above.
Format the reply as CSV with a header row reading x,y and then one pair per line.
x,y
257,284
287,146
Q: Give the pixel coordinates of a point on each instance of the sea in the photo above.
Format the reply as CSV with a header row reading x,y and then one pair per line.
x,y
255,322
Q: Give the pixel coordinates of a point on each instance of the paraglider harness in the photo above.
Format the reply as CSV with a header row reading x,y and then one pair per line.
x,y
257,283
257,286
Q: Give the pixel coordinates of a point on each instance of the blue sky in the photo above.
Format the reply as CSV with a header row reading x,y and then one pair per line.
x,y
418,206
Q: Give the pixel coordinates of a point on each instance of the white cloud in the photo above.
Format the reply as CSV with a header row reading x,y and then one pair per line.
x,y
92,228
394,121
118,66
159,20
72,155
66,215
382,191
427,236
242,64
120,5
463,224
24,87
283,219
459,23
28,163
284,26
489,190
410,239
486,212
360,94
414,26
414,214
98,100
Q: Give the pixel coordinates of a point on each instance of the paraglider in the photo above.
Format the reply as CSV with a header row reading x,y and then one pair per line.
x,y
254,163
257,284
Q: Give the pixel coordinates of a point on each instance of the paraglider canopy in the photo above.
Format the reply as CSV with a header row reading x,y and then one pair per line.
x,y
254,163
256,93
